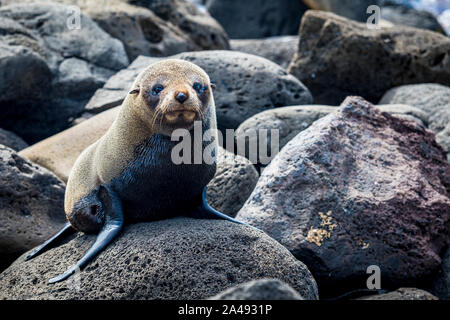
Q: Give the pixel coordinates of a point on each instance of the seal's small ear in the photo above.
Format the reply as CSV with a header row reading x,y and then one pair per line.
x,y
213,85
134,91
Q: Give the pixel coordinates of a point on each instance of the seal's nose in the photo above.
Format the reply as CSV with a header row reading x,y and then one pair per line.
x,y
181,97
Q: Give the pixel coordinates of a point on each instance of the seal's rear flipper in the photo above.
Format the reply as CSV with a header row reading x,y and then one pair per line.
x,y
65,231
206,207
112,227
108,233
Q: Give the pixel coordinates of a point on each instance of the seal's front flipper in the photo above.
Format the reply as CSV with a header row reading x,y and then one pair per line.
x,y
218,214
113,225
65,231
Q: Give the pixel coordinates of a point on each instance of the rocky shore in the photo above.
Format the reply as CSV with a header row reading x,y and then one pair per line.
x,y
360,178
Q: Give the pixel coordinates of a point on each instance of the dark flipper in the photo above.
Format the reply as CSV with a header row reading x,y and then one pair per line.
x,y
65,231
218,214
112,227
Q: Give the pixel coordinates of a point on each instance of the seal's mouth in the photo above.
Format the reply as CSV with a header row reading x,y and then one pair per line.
x,y
181,118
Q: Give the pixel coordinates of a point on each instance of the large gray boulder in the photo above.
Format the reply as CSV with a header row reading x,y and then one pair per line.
x,y
398,12
287,122
337,57
264,289
406,16
48,71
159,28
257,18
279,49
406,112
234,181
352,9
245,85
290,121
152,28
357,188
402,294
12,140
178,258
433,99
31,205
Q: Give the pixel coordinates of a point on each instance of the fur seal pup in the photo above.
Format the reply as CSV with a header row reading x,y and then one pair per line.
x,y
128,175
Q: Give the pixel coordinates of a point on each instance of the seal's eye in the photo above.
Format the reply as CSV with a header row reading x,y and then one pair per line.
x,y
157,89
198,87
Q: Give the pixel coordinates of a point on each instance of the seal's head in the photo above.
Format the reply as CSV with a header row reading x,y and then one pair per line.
x,y
172,94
